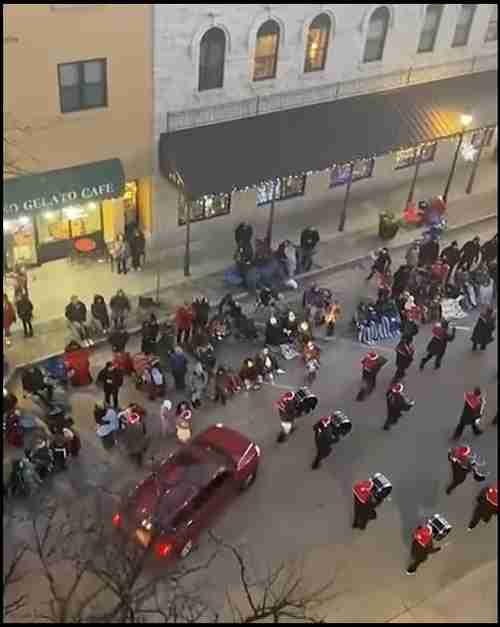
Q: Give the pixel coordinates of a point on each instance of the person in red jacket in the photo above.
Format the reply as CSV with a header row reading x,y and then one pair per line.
x,y
486,507
471,414
76,360
422,546
184,320
371,365
9,317
364,504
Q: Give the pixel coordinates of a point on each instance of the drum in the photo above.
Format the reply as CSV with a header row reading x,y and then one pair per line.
x,y
341,423
382,487
440,527
306,401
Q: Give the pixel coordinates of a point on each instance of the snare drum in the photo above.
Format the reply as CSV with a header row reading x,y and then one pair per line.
x,y
440,527
306,401
341,423
382,487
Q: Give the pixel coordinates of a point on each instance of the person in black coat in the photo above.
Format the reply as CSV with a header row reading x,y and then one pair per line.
x,y
76,315
99,311
397,403
483,330
451,256
309,240
470,253
428,253
382,263
111,379
437,346
201,310
401,280
405,353
274,332
25,313
243,235
324,438
150,330
137,243
489,250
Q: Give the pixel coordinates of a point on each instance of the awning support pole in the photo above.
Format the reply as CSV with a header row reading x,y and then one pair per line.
x,y
187,254
453,166
343,216
475,166
271,217
413,183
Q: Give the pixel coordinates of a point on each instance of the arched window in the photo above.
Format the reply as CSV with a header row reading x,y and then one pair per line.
x,y
430,29
317,43
266,51
212,58
377,33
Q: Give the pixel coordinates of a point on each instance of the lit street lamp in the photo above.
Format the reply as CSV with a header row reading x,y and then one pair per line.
x,y
465,120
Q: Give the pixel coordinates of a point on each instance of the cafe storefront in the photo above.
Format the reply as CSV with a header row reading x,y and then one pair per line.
x,y
46,215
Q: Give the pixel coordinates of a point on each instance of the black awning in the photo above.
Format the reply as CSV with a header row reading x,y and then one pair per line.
x,y
243,153
61,188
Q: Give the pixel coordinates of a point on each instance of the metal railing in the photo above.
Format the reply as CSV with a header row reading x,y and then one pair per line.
x,y
260,105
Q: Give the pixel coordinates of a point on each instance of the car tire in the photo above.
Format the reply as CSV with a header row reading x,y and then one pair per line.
x,y
248,481
186,549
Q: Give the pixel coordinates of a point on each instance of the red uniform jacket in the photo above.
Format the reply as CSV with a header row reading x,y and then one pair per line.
x,y
184,318
78,366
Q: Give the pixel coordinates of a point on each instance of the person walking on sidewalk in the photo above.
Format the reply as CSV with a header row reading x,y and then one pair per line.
x,y
9,317
220,385
137,244
483,329
184,321
167,418
135,438
111,379
324,438
412,255
436,348
309,240
178,366
76,315
364,504
120,309
470,253
471,414
422,546
489,250
486,506
121,253
25,313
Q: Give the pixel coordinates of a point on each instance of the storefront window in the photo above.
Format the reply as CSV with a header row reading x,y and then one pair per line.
x,y
19,242
363,169
478,136
69,223
206,208
417,154
130,205
284,188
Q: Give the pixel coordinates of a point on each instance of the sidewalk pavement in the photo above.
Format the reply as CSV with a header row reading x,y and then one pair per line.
x,y
472,599
51,293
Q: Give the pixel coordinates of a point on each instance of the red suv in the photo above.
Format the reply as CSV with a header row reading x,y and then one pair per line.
x,y
169,509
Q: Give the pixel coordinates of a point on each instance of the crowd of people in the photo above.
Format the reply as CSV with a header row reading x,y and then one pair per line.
x,y
460,279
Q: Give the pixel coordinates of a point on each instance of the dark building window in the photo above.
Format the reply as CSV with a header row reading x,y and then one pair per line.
x,y
431,27
286,187
266,51
206,208
83,85
464,25
377,34
492,31
212,58
317,43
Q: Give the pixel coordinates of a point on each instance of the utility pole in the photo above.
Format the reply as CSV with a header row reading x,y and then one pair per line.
x,y
343,216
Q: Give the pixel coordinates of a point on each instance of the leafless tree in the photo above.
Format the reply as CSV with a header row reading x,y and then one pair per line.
x,y
88,572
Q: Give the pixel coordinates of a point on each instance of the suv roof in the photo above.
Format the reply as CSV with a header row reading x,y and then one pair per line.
x,y
177,482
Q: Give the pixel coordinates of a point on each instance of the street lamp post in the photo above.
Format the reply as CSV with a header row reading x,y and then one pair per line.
x,y
475,165
271,215
343,216
465,120
413,183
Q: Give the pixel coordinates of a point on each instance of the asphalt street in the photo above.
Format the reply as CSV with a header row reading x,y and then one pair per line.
x,y
292,512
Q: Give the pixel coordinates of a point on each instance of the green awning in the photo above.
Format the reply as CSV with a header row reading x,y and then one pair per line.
x,y
62,188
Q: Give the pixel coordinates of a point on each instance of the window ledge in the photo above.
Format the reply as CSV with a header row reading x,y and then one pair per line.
x,y
263,85
81,113
319,75
367,66
208,95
